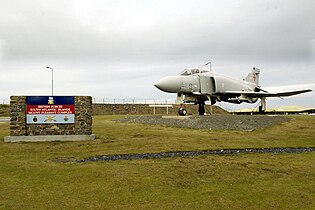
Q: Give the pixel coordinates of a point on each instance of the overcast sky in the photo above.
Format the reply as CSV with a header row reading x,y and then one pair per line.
x,y
119,48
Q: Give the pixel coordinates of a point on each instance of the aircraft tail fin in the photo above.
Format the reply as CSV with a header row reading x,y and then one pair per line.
x,y
253,76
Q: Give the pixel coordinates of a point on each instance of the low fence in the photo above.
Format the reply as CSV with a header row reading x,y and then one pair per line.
x,y
132,101
4,101
118,101
107,106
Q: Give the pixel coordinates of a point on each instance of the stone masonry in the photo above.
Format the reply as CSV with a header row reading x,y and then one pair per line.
x,y
82,125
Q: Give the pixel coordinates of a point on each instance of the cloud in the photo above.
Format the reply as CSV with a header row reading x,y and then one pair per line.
x,y
2,43
97,46
109,30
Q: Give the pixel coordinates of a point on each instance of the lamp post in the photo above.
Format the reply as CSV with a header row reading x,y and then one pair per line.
x,y
52,80
209,63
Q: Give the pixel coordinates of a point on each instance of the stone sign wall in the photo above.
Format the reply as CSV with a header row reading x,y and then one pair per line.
x,y
81,126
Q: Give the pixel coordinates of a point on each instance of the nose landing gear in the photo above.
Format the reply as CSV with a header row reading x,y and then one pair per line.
x,y
201,109
182,111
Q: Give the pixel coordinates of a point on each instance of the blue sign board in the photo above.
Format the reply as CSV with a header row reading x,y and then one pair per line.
x,y
43,100
50,109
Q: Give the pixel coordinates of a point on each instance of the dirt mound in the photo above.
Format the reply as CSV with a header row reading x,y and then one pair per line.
x,y
142,109
232,122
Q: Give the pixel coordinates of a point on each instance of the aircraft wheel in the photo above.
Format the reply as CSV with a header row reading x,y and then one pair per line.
x,y
182,112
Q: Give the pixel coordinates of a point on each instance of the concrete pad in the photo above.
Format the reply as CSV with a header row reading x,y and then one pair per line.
x,y
176,117
49,138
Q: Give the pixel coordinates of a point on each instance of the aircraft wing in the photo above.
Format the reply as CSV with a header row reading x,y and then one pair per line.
x,y
264,94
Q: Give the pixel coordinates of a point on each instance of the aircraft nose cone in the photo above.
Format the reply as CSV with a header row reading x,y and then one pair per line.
x,y
171,84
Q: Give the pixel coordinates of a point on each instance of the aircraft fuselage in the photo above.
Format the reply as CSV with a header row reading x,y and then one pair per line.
x,y
206,86
198,86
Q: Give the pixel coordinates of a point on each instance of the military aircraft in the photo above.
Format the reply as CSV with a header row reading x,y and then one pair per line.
x,y
198,85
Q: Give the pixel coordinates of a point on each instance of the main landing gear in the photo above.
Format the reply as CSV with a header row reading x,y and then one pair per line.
x,y
262,107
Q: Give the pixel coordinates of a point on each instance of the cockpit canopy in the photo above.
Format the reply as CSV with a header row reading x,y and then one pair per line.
x,y
186,72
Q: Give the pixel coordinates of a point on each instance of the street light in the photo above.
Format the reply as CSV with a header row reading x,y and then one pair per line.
x,y
52,80
210,65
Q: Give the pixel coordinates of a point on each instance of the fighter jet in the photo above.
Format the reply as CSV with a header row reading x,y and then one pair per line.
x,y
198,86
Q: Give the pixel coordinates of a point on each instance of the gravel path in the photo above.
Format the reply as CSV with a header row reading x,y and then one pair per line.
x,y
193,153
233,122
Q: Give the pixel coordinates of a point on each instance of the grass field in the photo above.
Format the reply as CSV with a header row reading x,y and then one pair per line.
x,y
30,180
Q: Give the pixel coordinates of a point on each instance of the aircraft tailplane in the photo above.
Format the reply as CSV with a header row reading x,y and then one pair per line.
x,y
253,76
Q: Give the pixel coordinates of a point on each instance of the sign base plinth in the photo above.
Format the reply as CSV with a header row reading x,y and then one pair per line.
x,y
48,138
